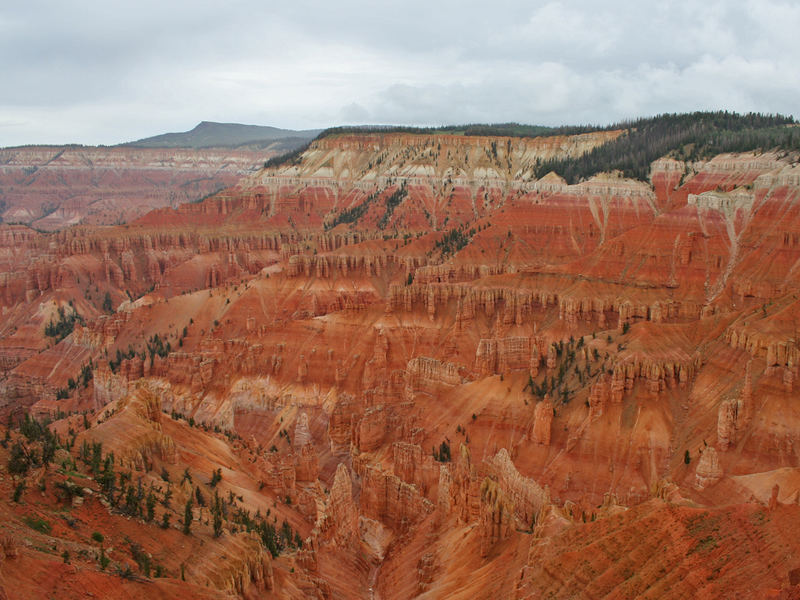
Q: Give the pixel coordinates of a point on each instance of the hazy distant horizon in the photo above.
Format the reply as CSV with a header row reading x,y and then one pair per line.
x,y
91,73
345,125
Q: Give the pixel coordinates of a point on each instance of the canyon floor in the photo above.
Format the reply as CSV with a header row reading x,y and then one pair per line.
x,y
400,365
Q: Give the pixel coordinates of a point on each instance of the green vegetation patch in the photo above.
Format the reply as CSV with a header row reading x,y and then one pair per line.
x,y
692,136
38,524
391,203
65,324
353,214
454,240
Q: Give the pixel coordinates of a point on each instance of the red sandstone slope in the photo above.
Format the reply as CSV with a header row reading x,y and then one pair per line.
x,y
51,187
579,375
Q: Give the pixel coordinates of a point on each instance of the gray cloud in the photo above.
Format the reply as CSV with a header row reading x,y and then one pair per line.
x,y
99,72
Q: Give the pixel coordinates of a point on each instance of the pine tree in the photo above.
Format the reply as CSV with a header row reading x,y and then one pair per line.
x,y
150,505
107,307
187,518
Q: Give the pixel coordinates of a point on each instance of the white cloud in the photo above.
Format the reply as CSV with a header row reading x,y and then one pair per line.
x,y
98,72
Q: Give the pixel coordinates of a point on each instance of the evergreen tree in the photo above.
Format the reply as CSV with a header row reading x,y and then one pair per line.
x,y
187,517
107,307
18,460
150,506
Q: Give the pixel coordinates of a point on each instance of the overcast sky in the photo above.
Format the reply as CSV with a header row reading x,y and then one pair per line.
x,y
105,72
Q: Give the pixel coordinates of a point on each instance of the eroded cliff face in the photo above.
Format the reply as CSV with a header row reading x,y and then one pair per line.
x,y
52,187
473,160
405,345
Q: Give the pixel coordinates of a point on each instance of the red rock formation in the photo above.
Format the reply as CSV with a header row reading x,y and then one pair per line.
x,y
343,514
55,187
773,499
542,422
461,489
341,421
708,470
653,315
726,424
414,466
386,497
496,516
428,375
371,429
426,568
135,435
307,460
526,496
599,396
504,355
668,536
734,415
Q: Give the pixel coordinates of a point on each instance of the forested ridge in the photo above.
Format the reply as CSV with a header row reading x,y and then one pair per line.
x,y
689,136
685,136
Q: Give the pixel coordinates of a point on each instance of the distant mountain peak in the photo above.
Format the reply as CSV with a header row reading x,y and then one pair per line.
x,y
210,134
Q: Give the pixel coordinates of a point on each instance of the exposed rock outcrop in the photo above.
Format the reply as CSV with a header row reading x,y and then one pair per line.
x,y
542,422
388,498
342,516
496,516
428,376
134,433
734,414
708,470
525,495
